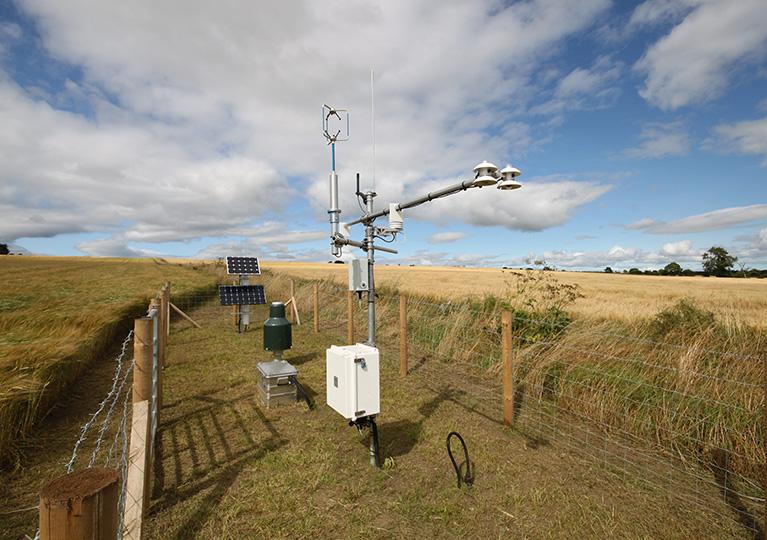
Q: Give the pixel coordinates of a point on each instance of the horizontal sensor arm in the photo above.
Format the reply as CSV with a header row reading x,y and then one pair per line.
x,y
455,188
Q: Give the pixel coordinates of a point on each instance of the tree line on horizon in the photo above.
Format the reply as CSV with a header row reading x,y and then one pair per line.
x,y
716,261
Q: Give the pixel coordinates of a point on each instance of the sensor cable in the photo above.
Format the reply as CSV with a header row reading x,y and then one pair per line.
x,y
468,477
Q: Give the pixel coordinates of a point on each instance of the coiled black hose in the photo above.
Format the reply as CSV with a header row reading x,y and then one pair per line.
x,y
468,476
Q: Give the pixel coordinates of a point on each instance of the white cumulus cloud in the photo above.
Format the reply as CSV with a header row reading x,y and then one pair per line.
x,y
693,63
661,140
205,116
708,221
445,237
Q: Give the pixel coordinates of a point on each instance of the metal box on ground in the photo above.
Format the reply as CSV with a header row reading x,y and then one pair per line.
x,y
352,377
274,387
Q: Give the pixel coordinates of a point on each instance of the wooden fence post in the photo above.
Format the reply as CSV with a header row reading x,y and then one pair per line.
x,y
316,308
80,505
402,335
350,317
139,469
143,335
508,371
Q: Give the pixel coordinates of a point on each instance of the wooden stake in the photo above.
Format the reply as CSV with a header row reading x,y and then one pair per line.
x,y
316,296
508,371
142,353
292,299
350,316
402,335
80,505
139,468
296,317
184,315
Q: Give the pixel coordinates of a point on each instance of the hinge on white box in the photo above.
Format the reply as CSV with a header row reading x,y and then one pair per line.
x,y
359,360
359,413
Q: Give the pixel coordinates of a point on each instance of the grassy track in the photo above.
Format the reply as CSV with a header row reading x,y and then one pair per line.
x,y
57,314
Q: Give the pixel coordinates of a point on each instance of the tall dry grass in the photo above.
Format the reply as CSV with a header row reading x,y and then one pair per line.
x,y
59,314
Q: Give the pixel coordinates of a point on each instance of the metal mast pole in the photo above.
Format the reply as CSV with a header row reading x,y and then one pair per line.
x,y
334,210
369,237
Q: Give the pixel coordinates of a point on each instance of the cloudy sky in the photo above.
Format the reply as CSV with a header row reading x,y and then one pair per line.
x,y
193,128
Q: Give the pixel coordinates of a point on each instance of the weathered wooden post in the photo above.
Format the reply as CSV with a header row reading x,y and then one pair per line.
x,y
143,335
508,370
139,470
316,295
81,505
402,335
350,317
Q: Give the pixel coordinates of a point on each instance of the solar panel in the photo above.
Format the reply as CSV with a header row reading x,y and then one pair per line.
x,y
243,266
241,295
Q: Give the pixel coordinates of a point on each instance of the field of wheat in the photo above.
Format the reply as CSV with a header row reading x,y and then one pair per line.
x,y
605,296
58,314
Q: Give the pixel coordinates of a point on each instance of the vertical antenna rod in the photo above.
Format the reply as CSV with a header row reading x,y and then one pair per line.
x,y
334,211
373,123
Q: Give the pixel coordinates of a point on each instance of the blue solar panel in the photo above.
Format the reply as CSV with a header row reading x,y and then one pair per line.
x,y
243,266
241,295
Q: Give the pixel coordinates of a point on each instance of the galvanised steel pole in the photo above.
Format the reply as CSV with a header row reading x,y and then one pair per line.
x,y
369,237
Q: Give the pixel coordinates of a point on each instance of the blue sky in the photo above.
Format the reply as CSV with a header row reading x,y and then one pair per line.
x,y
193,128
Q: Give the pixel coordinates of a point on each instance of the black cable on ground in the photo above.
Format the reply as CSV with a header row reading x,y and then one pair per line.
x,y
376,446
302,391
468,477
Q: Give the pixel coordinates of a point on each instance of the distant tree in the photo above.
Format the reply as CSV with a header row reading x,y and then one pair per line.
x,y
687,272
743,269
608,270
4,249
672,269
634,271
717,262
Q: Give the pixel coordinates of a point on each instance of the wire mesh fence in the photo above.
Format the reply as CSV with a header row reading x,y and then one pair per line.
x,y
678,411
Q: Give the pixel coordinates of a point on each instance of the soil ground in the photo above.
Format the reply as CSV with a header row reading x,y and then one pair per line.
x,y
229,468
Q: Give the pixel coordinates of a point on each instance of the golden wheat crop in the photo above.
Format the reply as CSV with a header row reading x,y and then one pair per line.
x,y
605,296
58,314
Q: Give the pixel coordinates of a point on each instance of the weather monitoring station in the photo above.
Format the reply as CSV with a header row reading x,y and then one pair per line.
x,y
352,371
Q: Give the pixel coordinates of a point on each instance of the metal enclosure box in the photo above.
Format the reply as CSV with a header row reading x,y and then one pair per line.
x,y
352,377
358,275
273,383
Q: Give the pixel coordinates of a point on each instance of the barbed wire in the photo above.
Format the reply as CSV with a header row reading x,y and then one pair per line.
x,y
87,426
105,423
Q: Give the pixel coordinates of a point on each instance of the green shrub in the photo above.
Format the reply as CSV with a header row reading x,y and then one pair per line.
x,y
684,316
